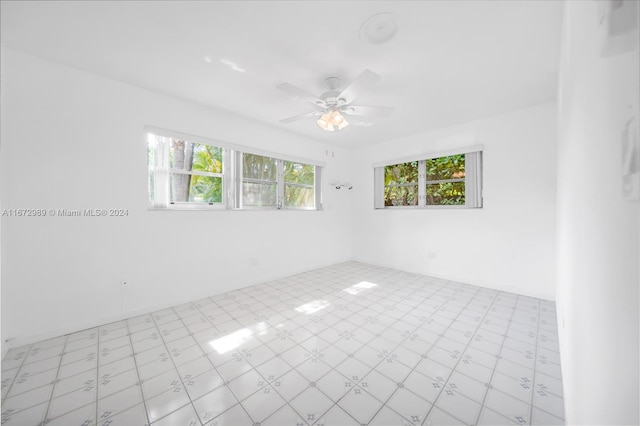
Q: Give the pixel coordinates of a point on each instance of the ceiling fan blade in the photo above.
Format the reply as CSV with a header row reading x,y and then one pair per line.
x,y
298,94
361,83
366,110
298,117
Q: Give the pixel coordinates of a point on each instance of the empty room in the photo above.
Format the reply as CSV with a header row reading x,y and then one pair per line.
x,y
329,213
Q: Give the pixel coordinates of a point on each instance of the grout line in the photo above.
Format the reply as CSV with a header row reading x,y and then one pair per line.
x,y
397,345
175,367
55,381
18,371
135,365
225,382
453,369
98,368
535,363
493,370
299,344
384,403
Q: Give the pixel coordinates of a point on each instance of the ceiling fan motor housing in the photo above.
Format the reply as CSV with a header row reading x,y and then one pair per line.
x,y
330,99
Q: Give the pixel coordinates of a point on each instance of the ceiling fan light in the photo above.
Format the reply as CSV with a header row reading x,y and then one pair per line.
x,y
324,121
336,118
332,121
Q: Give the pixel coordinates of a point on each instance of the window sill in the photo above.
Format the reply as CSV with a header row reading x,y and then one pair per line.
x,y
427,208
220,208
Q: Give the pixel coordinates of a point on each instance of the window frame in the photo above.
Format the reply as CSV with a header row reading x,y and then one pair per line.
x,y
232,175
423,182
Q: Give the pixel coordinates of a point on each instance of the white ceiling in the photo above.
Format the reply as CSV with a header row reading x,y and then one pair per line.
x,y
450,61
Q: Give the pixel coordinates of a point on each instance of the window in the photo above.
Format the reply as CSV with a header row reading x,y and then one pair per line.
x,y
444,181
401,184
270,182
259,181
299,185
187,172
184,172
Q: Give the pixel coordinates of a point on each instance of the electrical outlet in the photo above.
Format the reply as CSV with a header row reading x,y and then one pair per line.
x,y
431,255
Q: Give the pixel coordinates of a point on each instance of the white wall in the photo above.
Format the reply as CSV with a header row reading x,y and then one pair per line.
x,y
75,140
598,255
509,244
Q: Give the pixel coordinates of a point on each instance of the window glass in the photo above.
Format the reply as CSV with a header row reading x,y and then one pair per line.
x,y
202,187
451,167
299,191
401,184
299,197
259,194
195,188
445,194
259,181
299,173
259,167
207,158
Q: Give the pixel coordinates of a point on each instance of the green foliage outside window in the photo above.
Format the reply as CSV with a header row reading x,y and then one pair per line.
x,y
300,174
401,184
445,168
444,182
189,156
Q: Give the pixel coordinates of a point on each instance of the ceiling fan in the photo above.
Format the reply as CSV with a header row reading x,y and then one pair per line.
x,y
333,105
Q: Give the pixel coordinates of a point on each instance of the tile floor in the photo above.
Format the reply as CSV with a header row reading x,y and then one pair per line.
x,y
350,344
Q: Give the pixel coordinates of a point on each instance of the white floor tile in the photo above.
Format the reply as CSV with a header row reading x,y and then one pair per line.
x,y
120,401
203,384
450,401
518,388
113,384
410,350
73,383
387,416
438,417
214,403
543,418
160,384
72,401
166,403
82,416
409,405
233,417
311,404
508,406
263,403
25,382
185,416
360,404
31,416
